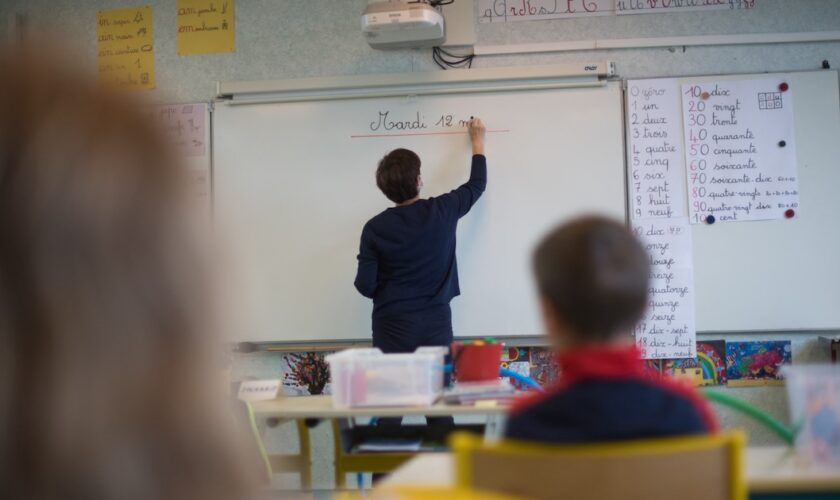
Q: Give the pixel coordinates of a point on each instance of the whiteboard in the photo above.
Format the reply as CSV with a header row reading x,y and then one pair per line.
x,y
780,274
295,184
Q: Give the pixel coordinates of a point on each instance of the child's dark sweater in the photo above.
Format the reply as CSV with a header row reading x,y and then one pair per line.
x,y
605,394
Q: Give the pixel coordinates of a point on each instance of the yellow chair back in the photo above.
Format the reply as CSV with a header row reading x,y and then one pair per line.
x,y
701,467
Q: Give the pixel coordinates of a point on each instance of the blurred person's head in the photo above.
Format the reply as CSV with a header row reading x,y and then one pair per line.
x,y
108,386
592,277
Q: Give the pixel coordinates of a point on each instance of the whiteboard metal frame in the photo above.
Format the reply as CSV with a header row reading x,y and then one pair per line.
x,y
434,83
414,84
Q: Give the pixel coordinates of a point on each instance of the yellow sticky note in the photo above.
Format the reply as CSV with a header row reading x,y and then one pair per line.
x,y
125,47
205,27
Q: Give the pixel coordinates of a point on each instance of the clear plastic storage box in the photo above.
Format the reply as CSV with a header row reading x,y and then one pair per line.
x,y
367,377
814,394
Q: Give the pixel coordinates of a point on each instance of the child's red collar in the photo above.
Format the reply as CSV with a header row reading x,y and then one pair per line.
x,y
590,362
599,361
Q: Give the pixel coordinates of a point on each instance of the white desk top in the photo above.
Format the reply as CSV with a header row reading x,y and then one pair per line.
x,y
779,469
768,469
321,407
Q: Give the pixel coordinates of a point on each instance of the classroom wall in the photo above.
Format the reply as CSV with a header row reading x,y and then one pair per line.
x,y
303,38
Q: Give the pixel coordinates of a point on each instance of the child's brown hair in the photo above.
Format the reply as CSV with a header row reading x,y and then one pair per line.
x,y
594,273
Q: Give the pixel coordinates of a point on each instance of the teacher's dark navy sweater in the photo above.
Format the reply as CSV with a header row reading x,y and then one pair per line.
x,y
605,394
407,253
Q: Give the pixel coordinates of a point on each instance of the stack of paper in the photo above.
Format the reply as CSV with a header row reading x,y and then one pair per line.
x,y
471,392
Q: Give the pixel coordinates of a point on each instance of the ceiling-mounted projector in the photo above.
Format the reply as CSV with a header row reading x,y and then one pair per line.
x,y
398,24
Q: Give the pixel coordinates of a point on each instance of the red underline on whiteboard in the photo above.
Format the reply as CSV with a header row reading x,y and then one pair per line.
x,y
369,136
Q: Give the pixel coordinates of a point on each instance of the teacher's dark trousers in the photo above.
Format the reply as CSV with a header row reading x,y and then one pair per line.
x,y
406,332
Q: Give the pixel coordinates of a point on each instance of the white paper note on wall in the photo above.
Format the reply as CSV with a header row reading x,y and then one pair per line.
x,y
668,329
740,151
657,170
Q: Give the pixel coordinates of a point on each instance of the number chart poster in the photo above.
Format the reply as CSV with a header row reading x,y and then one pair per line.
x,y
205,27
125,48
657,171
740,151
668,329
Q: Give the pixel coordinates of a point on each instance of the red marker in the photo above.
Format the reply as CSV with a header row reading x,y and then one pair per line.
x,y
704,95
783,87
789,213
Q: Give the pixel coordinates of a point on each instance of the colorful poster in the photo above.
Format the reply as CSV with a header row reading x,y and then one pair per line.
x,y
708,368
740,150
756,362
659,6
503,11
544,367
206,27
125,48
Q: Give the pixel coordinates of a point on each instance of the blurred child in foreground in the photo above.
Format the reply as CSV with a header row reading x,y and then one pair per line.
x,y
109,387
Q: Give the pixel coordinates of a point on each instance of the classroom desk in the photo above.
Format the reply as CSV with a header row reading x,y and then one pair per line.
x,y
292,408
270,413
769,470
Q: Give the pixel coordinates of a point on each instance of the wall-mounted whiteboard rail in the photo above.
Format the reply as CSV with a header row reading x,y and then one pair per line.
x,y
413,84
297,181
779,274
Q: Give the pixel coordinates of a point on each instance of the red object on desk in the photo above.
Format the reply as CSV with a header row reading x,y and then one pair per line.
x,y
476,361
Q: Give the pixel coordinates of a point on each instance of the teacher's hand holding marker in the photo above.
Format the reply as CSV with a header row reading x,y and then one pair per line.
x,y
477,131
407,253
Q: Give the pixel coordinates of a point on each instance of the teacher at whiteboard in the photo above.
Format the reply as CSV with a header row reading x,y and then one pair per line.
x,y
407,253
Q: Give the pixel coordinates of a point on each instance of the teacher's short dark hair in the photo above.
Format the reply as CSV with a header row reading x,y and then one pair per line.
x,y
397,175
595,273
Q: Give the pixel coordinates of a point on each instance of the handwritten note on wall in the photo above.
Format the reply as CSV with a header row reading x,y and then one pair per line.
x,y
657,172
502,11
205,27
199,179
740,151
125,48
668,329
184,125
655,6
